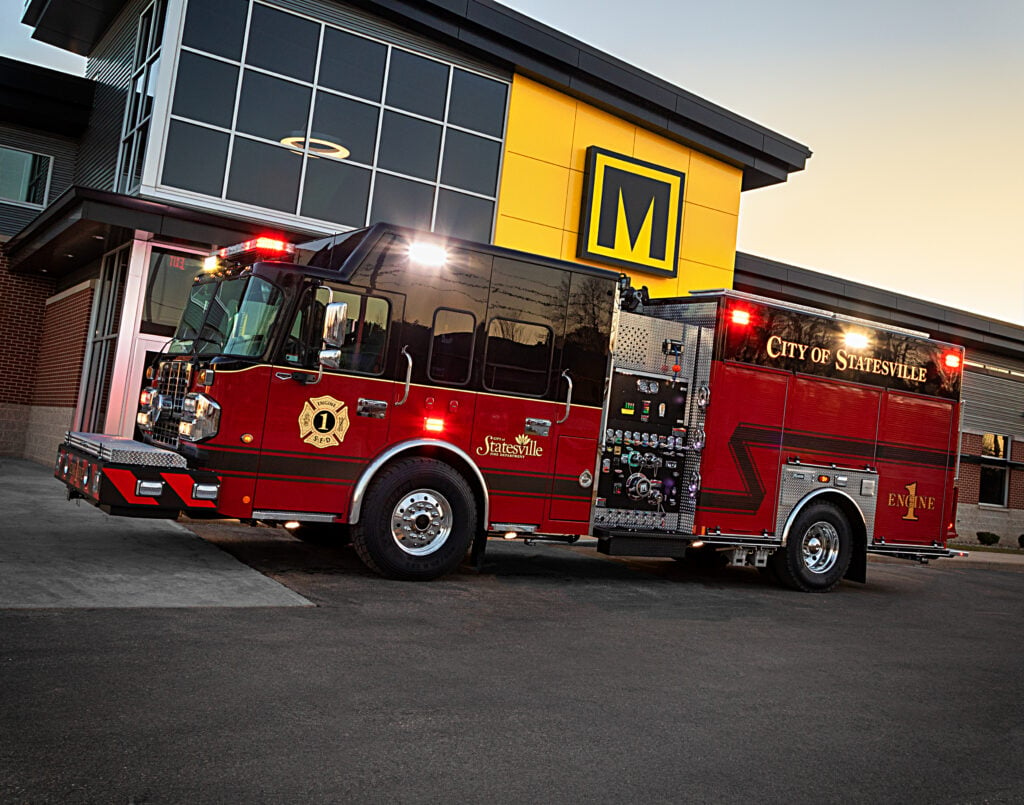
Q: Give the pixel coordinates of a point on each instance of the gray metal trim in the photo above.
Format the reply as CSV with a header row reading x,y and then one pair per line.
x,y
825,490
404,447
283,516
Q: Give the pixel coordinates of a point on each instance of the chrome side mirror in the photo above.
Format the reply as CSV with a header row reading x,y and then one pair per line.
x,y
335,325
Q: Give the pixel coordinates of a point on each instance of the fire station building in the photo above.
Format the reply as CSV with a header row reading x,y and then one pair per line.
x,y
202,124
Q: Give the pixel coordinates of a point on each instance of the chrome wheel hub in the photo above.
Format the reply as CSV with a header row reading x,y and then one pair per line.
x,y
820,547
421,522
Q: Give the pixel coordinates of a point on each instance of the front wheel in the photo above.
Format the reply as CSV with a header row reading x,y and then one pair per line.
x,y
418,520
818,550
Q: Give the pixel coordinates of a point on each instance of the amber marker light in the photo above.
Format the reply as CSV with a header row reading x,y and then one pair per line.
x,y
433,425
247,438
823,479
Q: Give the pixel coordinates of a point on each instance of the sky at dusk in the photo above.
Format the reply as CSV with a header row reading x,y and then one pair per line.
x,y
913,109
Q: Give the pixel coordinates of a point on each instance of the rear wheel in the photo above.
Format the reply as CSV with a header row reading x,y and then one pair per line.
x,y
418,520
818,550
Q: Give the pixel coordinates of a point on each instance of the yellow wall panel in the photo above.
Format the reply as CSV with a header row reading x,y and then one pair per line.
x,y
594,127
528,237
699,277
541,189
651,148
533,190
709,236
574,197
540,122
714,184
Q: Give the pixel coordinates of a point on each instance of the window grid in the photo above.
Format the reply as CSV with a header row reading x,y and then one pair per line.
x,y
139,109
315,88
995,469
35,192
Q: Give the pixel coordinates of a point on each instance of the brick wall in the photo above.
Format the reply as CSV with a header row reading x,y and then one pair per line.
x,y
22,304
62,348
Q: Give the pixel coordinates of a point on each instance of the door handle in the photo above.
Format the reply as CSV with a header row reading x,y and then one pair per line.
x,y
568,398
408,376
374,409
537,427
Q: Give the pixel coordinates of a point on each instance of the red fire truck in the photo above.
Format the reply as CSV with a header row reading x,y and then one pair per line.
x,y
418,395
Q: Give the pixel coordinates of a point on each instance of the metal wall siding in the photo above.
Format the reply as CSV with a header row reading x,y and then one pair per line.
x,y
350,18
110,67
993,404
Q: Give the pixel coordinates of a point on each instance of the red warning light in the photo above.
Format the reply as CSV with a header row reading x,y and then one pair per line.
x,y
741,317
952,360
433,425
271,244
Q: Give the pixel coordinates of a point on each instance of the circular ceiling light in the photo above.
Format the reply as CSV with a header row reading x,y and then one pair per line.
x,y
317,147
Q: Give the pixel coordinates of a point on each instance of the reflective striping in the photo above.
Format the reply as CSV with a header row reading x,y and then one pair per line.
x,y
124,482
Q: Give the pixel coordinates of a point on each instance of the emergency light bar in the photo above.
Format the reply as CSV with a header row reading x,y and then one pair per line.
x,y
256,247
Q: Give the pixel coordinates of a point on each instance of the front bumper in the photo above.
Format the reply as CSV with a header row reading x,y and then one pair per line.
x,y
133,479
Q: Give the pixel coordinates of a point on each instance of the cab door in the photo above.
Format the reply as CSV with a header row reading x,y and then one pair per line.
x,y
516,428
322,428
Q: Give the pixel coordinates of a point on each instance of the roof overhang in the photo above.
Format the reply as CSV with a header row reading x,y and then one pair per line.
x,y
44,99
790,283
78,228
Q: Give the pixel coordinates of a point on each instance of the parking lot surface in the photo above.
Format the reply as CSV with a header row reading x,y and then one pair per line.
x,y
553,675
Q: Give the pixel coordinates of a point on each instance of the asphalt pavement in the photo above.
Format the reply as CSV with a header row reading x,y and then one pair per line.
x,y
554,675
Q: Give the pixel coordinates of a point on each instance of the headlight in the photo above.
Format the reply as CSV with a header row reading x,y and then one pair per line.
x,y
144,418
200,418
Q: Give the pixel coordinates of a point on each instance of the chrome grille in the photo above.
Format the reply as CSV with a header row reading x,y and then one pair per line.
x,y
171,387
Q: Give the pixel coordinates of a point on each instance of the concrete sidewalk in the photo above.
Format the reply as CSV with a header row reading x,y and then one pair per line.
x,y
56,554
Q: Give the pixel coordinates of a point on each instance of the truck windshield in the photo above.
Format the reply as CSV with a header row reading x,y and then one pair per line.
x,y
227,317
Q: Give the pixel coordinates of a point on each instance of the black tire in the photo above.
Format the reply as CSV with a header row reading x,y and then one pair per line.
x,y
817,552
327,534
418,520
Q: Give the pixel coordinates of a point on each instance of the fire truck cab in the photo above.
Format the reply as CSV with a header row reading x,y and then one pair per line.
x,y
418,394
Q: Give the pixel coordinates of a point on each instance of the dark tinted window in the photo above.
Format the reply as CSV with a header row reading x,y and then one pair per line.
x,y
464,216
527,291
195,158
409,145
992,488
348,123
451,347
367,330
272,108
401,201
518,357
588,322
167,290
417,85
477,103
336,191
264,174
216,26
205,89
471,162
352,64
282,43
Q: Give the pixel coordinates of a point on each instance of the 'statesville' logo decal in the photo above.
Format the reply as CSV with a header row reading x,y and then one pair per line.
x,y
522,447
323,421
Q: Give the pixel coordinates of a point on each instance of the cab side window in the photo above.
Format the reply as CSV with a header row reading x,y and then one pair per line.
x,y
451,347
365,336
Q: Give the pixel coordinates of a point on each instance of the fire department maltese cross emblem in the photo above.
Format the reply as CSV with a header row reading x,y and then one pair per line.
x,y
323,421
